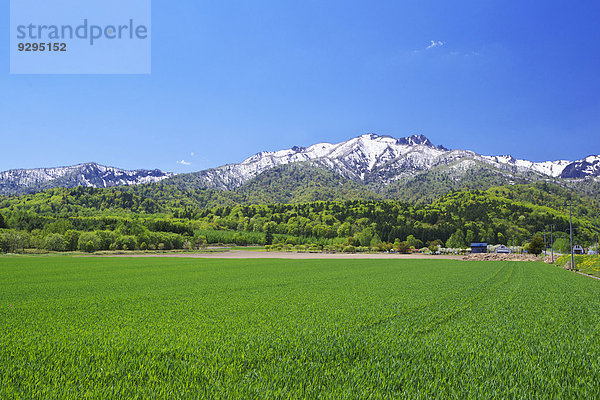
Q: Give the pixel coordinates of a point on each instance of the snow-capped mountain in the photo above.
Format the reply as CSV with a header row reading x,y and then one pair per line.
x,y
19,181
370,159
357,158
379,159
589,166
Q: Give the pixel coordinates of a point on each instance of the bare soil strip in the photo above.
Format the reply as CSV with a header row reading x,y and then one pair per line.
x,y
294,256
500,257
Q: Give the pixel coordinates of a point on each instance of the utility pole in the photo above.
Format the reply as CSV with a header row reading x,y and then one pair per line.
x,y
552,241
571,234
545,245
597,242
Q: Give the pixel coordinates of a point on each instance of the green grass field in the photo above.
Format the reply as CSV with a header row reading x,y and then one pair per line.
x,y
190,328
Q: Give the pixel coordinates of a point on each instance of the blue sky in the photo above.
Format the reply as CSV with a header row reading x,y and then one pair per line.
x,y
230,79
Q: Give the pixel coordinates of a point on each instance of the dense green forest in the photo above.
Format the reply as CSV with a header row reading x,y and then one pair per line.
x,y
307,181
175,217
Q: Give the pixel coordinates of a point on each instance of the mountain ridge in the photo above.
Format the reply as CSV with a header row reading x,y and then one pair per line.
x,y
376,161
90,174
372,158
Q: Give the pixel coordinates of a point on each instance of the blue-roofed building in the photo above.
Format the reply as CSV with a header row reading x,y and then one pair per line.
x,y
478,248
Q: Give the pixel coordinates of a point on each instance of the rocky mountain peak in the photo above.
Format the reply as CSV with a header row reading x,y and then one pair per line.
x,y
415,140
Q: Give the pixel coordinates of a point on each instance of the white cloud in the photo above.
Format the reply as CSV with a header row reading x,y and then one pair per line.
x,y
192,154
183,162
435,43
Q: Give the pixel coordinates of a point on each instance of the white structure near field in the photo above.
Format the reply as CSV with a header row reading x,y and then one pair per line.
x,y
502,249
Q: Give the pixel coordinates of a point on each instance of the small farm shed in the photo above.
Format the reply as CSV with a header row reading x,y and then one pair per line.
x,y
502,249
577,249
478,248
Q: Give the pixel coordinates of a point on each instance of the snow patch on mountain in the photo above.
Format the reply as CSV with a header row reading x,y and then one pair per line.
x,y
550,168
589,166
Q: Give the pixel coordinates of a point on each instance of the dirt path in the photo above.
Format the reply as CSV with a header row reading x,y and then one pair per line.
x,y
588,275
295,256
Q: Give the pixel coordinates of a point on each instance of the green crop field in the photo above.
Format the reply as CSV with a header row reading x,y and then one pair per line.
x,y
190,328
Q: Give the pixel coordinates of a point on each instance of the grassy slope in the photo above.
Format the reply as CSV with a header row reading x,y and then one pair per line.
x,y
165,328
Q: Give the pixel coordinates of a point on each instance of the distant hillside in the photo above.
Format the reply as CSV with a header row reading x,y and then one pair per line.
x,y
290,183
22,181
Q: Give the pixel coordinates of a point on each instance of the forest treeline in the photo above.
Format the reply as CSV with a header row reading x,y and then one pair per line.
x,y
155,217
